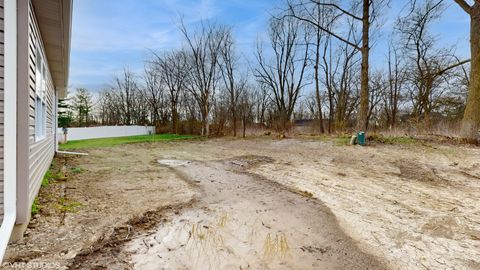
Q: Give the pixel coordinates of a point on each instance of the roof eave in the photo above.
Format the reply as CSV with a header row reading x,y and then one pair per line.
x,y
54,18
67,33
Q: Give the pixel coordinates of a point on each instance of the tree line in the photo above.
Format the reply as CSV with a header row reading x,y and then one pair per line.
x,y
314,66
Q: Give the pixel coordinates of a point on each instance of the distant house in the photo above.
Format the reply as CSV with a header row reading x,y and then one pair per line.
x,y
34,64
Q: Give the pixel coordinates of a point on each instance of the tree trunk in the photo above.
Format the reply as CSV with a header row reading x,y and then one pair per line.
x,y
173,107
284,121
175,120
471,118
331,110
205,111
395,106
317,83
244,122
364,99
206,126
234,116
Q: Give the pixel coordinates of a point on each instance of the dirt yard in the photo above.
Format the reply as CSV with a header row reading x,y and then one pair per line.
x,y
260,204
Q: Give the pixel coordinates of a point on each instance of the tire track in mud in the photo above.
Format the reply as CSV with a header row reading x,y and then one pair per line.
x,y
242,221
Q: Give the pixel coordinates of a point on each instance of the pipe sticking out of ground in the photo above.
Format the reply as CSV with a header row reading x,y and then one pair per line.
x,y
72,153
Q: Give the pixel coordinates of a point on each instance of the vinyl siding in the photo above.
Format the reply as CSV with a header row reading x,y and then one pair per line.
x,y
40,152
1,105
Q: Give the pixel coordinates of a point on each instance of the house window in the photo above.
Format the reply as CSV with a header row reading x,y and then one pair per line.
x,y
40,119
40,104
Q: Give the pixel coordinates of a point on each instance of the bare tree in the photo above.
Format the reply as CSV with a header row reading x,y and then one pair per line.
x,y
203,87
152,92
261,102
229,72
345,86
173,70
141,113
395,80
340,77
126,87
284,75
369,13
471,118
109,107
377,88
328,78
324,16
245,104
189,107
204,53
430,66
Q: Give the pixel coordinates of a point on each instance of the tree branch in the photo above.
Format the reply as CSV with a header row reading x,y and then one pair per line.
x,y
338,8
324,29
440,72
465,6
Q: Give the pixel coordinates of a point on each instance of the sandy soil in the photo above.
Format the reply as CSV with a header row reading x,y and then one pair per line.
x,y
242,221
403,207
102,191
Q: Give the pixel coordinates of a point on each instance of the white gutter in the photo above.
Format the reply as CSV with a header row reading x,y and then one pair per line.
x,y
10,124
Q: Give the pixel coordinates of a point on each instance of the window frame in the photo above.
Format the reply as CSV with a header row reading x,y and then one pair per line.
x,y
40,96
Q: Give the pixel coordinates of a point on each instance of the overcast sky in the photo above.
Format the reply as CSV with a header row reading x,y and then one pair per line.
x,y
109,35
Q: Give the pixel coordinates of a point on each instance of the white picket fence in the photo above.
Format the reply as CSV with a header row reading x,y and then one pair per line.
x,y
83,133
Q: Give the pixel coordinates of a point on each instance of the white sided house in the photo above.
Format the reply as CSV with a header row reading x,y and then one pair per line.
x,y
34,63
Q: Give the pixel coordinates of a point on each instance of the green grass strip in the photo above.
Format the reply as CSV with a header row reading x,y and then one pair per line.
x,y
108,142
